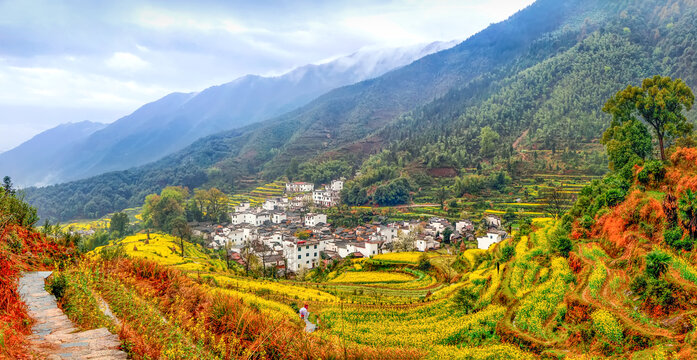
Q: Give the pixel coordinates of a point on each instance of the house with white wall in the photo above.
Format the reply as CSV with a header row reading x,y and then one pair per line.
x,y
312,220
299,186
278,217
337,185
302,254
491,238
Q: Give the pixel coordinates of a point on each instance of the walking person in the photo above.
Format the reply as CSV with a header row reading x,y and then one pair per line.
x,y
305,314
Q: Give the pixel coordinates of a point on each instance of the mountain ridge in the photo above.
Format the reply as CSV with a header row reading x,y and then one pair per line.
x,y
446,96
170,123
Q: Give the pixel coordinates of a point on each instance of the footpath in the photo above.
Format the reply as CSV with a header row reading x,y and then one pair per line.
x,y
54,335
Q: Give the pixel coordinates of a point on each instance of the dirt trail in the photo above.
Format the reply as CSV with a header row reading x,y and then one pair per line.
x,y
54,336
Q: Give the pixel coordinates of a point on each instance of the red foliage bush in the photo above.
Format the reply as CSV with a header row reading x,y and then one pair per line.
x,y
575,263
637,217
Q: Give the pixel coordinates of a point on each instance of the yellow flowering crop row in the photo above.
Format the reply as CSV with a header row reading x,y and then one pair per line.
x,y
365,277
597,278
405,257
275,287
607,325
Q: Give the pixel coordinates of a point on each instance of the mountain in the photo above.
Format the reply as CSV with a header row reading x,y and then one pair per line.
x,y
169,124
40,149
538,80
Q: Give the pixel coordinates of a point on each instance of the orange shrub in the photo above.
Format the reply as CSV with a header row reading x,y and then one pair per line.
x,y
638,216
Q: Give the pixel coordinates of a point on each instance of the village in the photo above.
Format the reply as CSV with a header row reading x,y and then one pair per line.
x,y
284,234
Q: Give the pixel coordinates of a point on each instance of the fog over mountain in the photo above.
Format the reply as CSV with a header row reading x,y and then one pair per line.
x,y
176,120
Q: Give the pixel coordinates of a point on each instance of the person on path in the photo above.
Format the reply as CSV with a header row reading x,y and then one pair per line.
x,y
305,314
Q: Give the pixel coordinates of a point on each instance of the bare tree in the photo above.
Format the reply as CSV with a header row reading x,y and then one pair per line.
x,y
556,201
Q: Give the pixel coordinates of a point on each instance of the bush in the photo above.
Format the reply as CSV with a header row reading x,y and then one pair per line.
x,y
587,222
507,252
57,286
674,238
657,263
652,173
614,196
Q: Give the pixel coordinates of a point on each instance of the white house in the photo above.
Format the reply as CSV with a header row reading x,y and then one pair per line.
x,y
299,187
242,207
336,185
313,220
490,238
387,233
250,218
270,204
368,248
278,217
339,247
324,198
302,254
464,225
425,243
493,220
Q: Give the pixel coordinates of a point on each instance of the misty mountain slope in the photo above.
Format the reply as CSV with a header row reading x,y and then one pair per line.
x,y
524,73
169,124
33,155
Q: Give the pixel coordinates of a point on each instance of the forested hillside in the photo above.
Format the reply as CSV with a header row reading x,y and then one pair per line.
x,y
536,80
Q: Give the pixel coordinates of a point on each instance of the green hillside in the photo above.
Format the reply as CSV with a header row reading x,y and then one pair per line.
x,y
537,80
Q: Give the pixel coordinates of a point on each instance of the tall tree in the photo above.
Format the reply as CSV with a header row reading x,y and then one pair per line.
x,y
660,101
181,229
118,223
488,142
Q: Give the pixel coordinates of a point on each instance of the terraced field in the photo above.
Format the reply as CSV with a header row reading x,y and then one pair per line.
x,y
257,196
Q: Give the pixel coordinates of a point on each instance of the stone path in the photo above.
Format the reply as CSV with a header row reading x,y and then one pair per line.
x,y
54,336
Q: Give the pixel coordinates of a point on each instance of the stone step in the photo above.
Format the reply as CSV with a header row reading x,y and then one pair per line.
x,y
54,336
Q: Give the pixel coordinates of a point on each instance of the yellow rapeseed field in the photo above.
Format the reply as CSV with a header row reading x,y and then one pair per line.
x,y
364,277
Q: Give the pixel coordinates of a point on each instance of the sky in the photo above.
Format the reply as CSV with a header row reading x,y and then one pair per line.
x,y
69,61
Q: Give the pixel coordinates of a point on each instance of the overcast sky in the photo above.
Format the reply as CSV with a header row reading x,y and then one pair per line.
x,y
63,61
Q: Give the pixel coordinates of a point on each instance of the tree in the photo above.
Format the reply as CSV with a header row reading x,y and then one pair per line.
x,y
657,263
405,241
627,142
488,142
465,300
181,229
660,101
7,186
446,235
509,218
556,201
162,209
119,224
394,193
442,195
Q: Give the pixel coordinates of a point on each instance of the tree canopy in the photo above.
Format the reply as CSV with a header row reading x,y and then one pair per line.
x,y
660,102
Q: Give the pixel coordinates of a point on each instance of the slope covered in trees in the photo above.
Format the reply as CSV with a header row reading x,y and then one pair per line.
x,y
537,80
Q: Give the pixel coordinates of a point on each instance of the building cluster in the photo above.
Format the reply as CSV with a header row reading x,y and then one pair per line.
x,y
282,235
292,241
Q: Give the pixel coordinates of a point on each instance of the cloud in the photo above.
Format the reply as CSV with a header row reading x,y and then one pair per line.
x,y
117,56
126,61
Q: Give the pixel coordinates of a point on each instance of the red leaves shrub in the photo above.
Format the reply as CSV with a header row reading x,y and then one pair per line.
x,y
637,217
575,263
